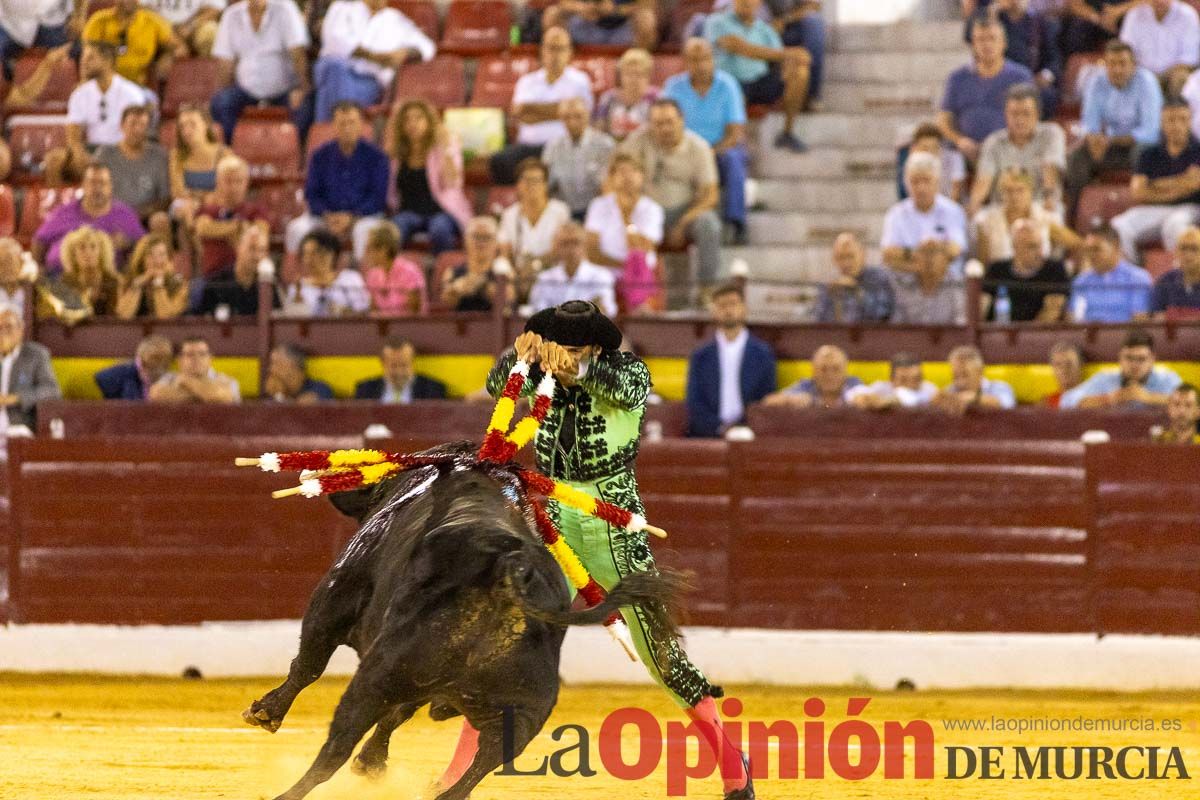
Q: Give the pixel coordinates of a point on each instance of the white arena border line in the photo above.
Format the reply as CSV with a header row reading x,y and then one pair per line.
x,y
737,656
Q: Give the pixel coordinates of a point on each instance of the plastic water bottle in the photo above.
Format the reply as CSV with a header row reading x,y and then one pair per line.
x,y
1003,306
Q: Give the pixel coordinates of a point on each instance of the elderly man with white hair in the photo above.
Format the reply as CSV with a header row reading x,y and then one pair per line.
x,y
25,374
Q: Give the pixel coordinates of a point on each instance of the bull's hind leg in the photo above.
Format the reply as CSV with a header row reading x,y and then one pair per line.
x,y
501,739
371,761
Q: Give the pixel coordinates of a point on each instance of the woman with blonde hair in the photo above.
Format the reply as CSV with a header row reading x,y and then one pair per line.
x,y
993,223
88,285
428,167
193,161
151,287
626,107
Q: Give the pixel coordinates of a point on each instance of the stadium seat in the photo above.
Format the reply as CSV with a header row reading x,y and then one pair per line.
x,y
191,80
271,147
1100,203
441,81
53,99
601,69
38,202
496,77
423,13
476,27
30,138
8,211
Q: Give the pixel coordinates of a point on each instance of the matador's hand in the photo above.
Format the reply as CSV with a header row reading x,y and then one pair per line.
x,y
556,359
528,347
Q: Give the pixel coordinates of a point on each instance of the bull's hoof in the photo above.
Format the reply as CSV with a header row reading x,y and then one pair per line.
x,y
369,768
259,717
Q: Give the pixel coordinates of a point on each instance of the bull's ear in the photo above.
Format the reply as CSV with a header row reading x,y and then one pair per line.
x,y
356,504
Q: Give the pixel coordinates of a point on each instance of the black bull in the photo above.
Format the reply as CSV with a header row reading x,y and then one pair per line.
x,y
450,599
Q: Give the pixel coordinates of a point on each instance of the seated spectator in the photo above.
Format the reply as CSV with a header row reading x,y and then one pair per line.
x,y
1038,148
926,224
752,52
288,382
1183,415
624,229
263,50
1108,288
471,286
1177,293
577,162
14,278
1066,361
399,383
1135,383
139,170
906,389
927,138
732,371
621,23
193,161
324,290
132,380
1122,109
89,272
429,177
1165,186
193,21
683,181
1037,286
535,104
145,43
26,378
363,43
235,288
346,186
196,381
1090,24
224,217
713,109
1165,37
829,387
94,113
47,25
1031,38
973,102
96,209
993,224
572,276
969,388
624,108
397,285
151,287
860,293
528,226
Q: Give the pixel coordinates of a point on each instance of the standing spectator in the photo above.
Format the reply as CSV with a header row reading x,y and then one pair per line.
x,y
1037,286
89,278
324,290
683,180
973,103
15,281
50,24
625,221
346,186
139,170
287,378
150,287
1122,108
713,109
471,286
535,104
927,138
222,220
926,224
993,224
1091,24
577,161
906,389
969,388
429,177
528,226
573,277
1109,289
621,23
860,293
1066,362
397,285
196,381
1165,186
1177,293
752,52
1032,41
363,43
236,288
192,165
95,208
1165,37
194,21
1039,148
400,383
263,50
131,380
625,107
26,377
94,112
829,387
1136,383
1183,415
144,41
732,371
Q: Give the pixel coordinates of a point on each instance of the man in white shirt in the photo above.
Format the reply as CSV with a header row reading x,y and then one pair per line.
x,y
94,112
194,21
535,104
1165,37
262,46
573,277
926,226
25,374
363,43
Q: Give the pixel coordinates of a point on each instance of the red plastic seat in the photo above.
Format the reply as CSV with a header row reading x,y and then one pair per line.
x,y
63,80
191,80
496,77
39,201
1099,203
601,69
476,27
8,211
271,147
423,13
30,139
441,81
665,65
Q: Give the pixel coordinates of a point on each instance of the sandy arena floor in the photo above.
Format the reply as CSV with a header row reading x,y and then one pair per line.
x,y
105,738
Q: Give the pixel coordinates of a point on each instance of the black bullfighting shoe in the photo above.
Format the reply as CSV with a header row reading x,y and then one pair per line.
x,y
747,791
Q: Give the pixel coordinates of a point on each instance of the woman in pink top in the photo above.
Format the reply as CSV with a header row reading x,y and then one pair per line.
x,y
427,164
397,285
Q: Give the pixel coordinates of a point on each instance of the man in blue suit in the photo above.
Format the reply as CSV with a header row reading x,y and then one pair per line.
x,y
730,372
399,383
